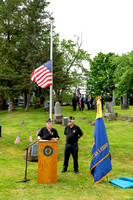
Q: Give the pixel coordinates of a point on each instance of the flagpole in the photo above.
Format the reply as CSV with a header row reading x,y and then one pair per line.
x,y
51,57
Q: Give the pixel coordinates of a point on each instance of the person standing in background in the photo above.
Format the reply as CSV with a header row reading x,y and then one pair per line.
x,y
82,102
74,102
102,100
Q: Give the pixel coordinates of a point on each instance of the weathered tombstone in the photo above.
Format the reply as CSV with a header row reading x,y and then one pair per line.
x,y
22,123
124,118
64,121
109,107
88,121
83,118
131,119
124,104
93,123
113,98
109,113
47,105
33,153
57,115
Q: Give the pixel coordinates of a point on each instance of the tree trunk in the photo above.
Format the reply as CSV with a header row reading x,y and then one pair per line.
x,y
11,104
1,101
28,102
25,99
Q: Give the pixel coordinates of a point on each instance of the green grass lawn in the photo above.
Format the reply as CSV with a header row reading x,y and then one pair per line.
x,y
69,185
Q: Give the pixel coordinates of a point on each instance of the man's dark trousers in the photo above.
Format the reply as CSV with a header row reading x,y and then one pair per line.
x,y
71,149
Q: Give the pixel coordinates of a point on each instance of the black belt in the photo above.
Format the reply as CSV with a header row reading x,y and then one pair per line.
x,y
71,143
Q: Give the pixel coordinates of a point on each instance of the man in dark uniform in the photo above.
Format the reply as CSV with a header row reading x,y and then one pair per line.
x,y
102,100
74,102
91,101
73,133
131,99
48,133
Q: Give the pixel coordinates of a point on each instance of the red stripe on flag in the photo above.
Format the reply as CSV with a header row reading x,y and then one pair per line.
x,y
42,76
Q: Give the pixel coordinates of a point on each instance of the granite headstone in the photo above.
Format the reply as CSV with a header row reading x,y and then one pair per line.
x,y
109,113
57,114
114,98
124,104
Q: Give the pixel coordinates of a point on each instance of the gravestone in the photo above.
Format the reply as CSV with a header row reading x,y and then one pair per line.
x,y
64,121
93,123
109,107
109,113
131,119
114,98
47,105
57,114
124,104
83,118
33,153
22,123
124,118
88,121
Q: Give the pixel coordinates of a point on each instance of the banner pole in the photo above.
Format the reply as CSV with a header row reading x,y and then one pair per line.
x,y
51,58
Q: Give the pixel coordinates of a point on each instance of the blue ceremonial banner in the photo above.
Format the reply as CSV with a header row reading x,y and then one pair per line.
x,y
100,165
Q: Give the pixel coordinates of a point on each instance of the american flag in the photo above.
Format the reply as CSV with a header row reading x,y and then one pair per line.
x,y
30,138
17,139
43,75
37,132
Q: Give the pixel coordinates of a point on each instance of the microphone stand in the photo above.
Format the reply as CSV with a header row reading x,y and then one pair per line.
x,y
25,179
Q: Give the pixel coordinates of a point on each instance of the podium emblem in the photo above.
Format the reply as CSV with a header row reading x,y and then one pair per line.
x,y
48,151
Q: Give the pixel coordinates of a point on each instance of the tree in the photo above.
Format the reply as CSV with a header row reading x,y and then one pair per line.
x,y
101,74
123,75
68,61
10,31
25,39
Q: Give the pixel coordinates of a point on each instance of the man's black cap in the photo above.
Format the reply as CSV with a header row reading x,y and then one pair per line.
x,y
48,120
71,118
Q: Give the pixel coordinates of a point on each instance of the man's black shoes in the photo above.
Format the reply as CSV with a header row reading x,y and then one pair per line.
x,y
64,170
76,172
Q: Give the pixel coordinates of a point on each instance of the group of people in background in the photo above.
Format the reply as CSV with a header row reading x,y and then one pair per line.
x,y
90,101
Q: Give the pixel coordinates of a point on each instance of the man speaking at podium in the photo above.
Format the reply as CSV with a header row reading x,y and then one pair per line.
x,y
48,133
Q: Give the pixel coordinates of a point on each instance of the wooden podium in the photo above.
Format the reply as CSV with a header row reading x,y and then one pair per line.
x,y
47,161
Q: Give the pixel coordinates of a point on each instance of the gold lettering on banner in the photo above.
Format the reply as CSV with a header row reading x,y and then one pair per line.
x,y
99,150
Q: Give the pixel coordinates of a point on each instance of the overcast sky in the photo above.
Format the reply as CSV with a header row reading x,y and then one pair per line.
x,y
106,25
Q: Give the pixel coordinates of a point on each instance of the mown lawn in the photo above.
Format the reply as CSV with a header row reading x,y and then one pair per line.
x,y
69,185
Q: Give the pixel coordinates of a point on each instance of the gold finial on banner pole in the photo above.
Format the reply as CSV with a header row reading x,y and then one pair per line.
x,y
99,107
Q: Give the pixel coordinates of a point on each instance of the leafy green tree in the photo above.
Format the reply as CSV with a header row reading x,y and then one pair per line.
x,y
25,45
101,74
123,75
24,34
68,61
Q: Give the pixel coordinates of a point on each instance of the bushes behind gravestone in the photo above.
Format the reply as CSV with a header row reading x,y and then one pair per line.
x,y
117,101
